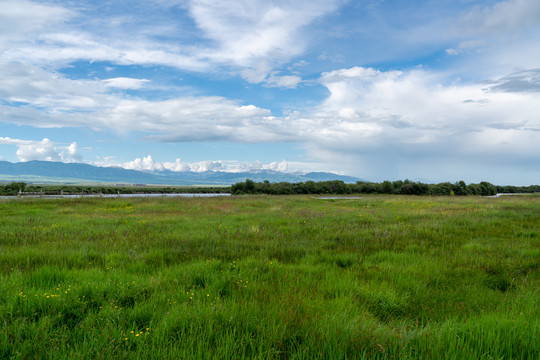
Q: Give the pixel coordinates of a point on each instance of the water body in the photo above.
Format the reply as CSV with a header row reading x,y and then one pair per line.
x,y
76,196
506,194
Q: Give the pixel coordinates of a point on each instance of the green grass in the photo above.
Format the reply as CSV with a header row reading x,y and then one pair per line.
x,y
382,277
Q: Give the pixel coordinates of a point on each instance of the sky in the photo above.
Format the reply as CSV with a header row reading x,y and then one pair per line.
x,y
427,90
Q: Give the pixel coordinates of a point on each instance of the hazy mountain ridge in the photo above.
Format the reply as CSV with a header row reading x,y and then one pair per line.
x,y
91,173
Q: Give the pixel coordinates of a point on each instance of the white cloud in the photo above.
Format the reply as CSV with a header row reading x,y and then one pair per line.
x,y
399,101
44,150
250,38
55,36
384,121
147,163
71,154
19,18
125,83
62,49
46,99
194,119
282,166
283,81
176,166
256,34
47,150
203,166
49,92
409,113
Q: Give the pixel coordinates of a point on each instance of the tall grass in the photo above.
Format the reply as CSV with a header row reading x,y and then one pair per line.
x,y
270,278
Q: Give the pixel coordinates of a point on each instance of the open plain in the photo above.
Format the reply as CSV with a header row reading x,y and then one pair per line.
x,y
270,277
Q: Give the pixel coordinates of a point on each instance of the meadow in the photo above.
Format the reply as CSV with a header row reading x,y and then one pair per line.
x,y
270,277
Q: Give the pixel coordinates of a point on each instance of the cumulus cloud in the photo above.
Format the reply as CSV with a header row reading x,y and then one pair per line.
x,y
147,163
71,153
282,166
382,121
44,150
419,100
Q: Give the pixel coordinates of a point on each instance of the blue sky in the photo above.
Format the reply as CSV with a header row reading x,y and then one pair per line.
x,y
440,90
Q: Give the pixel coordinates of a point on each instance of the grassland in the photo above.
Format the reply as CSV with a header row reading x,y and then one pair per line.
x,y
265,277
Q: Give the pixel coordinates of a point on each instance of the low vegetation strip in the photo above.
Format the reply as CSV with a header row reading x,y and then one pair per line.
x,y
281,277
24,189
399,187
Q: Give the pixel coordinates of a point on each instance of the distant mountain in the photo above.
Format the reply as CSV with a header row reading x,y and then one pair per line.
x,y
57,172
324,176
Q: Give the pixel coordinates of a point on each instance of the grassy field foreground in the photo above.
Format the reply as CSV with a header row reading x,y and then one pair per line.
x,y
270,278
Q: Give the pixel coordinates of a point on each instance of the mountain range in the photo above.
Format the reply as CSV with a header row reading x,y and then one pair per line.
x,y
74,173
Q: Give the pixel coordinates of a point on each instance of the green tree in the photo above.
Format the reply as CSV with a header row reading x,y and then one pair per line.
x,y
487,189
387,187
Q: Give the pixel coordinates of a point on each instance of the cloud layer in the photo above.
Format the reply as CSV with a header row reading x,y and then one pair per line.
x,y
369,116
251,38
44,150
469,102
393,116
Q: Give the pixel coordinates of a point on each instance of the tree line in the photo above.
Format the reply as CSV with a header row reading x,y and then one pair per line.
x,y
337,187
405,187
16,188
12,188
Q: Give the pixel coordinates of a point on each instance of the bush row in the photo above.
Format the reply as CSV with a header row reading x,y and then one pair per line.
x,y
406,187
15,187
